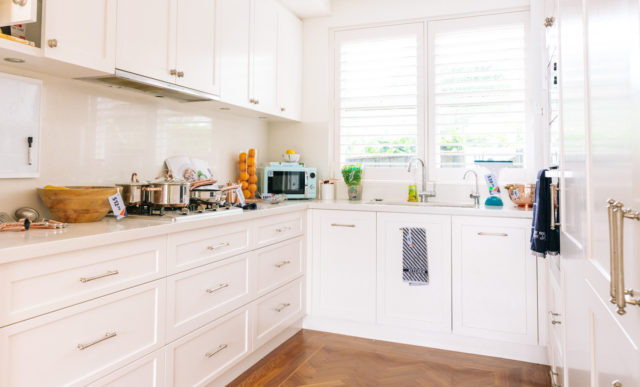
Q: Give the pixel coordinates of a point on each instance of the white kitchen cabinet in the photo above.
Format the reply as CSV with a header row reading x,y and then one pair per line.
x,y
264,50
400,304
148,372
170,40
81,33
344,265
16,12
494,280
146,38
233,27
289,64
197,49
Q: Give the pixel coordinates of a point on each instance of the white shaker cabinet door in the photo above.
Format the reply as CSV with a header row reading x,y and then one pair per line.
x,y
197,59
289,64
82,33
494,279
12,12
263,56
146,38
344,265
232,28
400,304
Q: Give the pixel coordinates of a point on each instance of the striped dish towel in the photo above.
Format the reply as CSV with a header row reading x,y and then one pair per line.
x,y
415,263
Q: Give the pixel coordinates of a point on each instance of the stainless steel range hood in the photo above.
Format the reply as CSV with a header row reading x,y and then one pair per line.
x,y
127,80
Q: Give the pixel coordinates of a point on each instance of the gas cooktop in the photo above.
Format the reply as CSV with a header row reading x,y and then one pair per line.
x,y
174,215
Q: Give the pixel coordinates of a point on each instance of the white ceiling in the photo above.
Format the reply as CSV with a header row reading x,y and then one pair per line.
x,y
308,8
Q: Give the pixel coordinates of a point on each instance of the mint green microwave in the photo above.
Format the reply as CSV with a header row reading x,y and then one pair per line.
x,y
294,181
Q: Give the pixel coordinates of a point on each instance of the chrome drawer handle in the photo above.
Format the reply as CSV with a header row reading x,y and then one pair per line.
x,y
106,336
283,229
107,274
342,225
218,246
500,234
552,376
282,307
279,265
220,348
21,3
221,286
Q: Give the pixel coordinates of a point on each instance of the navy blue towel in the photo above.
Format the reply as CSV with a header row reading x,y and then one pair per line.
x,y
544,240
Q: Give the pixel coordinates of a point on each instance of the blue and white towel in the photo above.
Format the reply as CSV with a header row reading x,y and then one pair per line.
x,y
415,263
544,240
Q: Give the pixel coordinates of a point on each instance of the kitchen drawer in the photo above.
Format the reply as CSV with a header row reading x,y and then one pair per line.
x,y
269,230
36,286
190,249
84,341
203,355
146,372
279,264
200,295
277,311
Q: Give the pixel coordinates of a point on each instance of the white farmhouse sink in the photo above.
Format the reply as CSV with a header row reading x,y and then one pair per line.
x,y
424,204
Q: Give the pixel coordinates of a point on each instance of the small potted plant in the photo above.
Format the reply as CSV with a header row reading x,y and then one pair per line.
x,y
352,174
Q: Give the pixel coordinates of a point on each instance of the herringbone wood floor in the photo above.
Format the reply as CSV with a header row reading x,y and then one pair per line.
x,y
319,359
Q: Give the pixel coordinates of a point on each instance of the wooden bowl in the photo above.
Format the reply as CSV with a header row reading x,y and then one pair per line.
x,y
77,204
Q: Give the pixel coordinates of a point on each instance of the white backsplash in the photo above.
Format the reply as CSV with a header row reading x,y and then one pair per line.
x,y
95,135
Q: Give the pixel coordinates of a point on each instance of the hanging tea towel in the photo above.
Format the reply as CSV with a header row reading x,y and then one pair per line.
x,y
415,263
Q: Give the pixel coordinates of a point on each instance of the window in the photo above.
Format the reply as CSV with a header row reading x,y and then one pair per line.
x,y
477,93
460,96
379,93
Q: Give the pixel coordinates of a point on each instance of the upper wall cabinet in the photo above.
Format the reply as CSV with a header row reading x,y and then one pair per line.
x,y
170,40
18,12
289,64
81,33
146,38
233,32
264,51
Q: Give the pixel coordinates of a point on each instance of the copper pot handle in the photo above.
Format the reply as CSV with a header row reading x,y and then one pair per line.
x,y
151,189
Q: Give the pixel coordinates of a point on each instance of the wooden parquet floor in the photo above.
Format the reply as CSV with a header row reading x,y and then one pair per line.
x,y
319,359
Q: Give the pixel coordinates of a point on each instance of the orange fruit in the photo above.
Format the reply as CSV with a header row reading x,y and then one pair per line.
x,y
251,161
246,193
252,153
251,170
245,185
253,188
242,166
253,179
243,156
244,176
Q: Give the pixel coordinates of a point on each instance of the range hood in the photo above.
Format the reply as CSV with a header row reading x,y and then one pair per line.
x,y
127,80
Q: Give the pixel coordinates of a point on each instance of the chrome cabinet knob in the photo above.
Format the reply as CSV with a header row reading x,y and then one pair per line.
x,y
282,109
21,3
52,43
172,72
616,383
180,74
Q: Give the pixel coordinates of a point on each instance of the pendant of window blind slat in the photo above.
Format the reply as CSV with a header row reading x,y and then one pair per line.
x,y
377,94
478,93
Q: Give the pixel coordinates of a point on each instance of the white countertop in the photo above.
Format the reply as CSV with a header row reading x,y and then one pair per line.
x,y
22,245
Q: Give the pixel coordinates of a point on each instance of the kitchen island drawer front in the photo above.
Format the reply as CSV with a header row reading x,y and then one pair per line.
x,y
279,264
85,341
146,372
277,311
274,229
201,295
36,286
198,247
198,358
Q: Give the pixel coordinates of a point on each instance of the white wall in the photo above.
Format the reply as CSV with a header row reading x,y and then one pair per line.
x,y
93,135
313,138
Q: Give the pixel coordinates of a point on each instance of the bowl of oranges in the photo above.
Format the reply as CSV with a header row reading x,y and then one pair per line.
x,y
290,156
248,178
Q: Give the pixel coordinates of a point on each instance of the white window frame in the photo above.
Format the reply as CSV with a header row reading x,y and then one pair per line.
x,y
452,24
426,135
338,35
